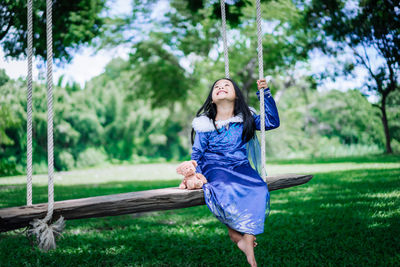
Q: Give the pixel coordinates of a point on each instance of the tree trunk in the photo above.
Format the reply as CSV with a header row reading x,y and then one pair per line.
x,y
386,125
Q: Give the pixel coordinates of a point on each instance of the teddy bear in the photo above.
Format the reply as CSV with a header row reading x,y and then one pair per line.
x,y
191,180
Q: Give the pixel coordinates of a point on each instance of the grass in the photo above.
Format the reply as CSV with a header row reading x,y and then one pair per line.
x,y
347,215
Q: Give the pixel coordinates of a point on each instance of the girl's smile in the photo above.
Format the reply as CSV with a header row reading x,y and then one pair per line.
x,y
223,90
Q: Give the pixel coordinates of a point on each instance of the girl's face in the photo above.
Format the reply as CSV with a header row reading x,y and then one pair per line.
x,y
223,90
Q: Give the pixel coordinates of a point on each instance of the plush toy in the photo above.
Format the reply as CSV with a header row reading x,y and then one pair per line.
x,y
191,180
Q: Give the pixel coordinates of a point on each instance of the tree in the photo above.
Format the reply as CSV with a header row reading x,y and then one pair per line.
x,y
362,25
191,30
75,22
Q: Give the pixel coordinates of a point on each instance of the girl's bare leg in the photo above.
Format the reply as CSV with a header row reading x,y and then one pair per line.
x,y
237,236
246,245
234,235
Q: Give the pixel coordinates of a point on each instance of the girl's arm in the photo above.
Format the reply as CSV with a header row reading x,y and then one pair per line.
x,y
271,112
198,148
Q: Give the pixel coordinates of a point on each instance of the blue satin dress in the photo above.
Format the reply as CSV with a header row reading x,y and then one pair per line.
x,y
235,193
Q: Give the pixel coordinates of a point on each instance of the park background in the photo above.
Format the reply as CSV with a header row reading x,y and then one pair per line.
x,y
334,74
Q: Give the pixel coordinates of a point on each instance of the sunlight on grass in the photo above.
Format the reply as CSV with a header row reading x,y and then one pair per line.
x,y
393,194
166,171
327,167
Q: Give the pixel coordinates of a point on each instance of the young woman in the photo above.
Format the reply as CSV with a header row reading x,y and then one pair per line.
x,y
225,133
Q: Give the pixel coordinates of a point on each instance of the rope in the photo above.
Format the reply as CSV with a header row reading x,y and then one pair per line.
x,y
260,70
49,110
46,233
29,112
223,31
261,75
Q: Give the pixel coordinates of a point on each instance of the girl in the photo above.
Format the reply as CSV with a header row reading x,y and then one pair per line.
x,y
225,140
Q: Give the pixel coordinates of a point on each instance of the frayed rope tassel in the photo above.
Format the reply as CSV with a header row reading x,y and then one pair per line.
x,y
45,234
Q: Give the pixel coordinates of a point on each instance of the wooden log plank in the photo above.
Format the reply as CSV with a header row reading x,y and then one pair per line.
x,y
125,203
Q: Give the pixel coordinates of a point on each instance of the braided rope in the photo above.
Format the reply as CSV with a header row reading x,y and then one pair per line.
x,y
260,71
45,232
50,110
261,75
223,32
29,112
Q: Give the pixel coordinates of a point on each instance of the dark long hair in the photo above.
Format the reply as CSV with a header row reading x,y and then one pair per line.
x,y
210,110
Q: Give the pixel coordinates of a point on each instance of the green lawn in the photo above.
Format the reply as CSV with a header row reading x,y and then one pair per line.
x,y
347,215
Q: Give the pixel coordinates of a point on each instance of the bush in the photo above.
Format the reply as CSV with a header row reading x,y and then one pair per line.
x,y
395,146
64,161
91,157
8,166
136,159
40,167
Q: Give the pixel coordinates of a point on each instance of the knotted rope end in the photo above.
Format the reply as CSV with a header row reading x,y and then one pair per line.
x,y
45,233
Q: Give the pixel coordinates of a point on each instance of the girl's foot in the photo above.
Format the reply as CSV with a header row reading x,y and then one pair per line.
x,y
245,245
236,236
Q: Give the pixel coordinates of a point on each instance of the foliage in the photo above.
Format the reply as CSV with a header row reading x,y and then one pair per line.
x,y
102,116
370,30
190,33
331,123
75,23
105,121
65,161
91,157
157,74
140,109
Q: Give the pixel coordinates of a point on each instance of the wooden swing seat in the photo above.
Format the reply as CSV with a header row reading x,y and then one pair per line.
x,y
125,203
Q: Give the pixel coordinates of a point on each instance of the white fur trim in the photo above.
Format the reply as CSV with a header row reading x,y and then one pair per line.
x,y
253,110
205,124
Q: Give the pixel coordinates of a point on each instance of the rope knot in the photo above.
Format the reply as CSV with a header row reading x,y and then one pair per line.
x,y
45,233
